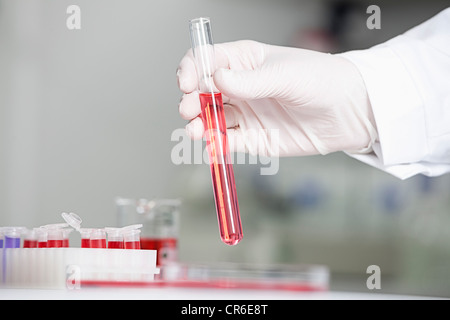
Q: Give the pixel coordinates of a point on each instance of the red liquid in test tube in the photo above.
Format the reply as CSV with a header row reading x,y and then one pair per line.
x,y
221,168
213,117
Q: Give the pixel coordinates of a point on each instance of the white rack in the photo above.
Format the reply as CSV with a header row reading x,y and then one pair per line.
x,y
71,267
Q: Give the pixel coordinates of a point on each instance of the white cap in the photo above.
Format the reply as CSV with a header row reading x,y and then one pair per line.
x,y
14,231
55,226
72,219
130,228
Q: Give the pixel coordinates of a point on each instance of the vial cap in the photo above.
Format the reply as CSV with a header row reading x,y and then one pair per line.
x,y
55,226
72,219
132,227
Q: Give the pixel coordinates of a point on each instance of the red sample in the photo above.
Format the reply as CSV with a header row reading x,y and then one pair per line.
x,y
54,243
98,243
85,243
42,244
30,243
132,245
115,244
166,248
229,219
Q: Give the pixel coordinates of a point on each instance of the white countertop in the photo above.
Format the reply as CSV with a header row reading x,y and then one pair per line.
x,y
189,294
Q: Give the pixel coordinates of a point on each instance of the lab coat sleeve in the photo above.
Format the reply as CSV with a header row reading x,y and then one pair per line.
x,y
408,84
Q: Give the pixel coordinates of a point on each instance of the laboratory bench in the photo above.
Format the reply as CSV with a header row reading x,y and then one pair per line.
x,y
191,294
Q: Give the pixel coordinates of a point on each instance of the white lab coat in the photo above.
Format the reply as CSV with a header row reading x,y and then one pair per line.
x,y
408,83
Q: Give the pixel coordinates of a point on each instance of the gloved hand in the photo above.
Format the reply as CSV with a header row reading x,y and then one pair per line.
x,y
317,102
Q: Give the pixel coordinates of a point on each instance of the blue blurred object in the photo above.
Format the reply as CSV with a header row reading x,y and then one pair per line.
x,y
308,193
390,199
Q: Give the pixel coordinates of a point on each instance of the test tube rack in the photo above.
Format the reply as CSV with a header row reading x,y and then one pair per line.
x,y
56,268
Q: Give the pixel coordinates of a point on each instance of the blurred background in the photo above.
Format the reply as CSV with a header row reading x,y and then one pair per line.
x,y
87,115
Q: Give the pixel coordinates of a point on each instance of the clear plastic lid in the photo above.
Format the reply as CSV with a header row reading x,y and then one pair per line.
x,y
31,234
98,234
72,219
114,234
54,226
132,233
66,232
13,232
85,232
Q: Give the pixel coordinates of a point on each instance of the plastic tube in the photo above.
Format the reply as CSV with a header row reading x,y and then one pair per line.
x,y
115,238
66,232
31,239
132,236
98,238
85,237
55,234
12,236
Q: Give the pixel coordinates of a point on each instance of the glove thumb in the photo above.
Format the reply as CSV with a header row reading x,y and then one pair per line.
x,y
243,84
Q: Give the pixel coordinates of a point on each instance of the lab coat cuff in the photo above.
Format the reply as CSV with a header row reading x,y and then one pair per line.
x,y
396,103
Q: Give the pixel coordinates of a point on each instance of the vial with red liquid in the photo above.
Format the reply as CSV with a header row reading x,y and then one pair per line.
x,y
41,238
132,236
31,239
55,234
213,117
66,242
115,238
85,237
132,239
54,239
98,239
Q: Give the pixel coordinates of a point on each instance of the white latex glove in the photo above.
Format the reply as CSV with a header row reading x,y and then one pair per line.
x,y
317,101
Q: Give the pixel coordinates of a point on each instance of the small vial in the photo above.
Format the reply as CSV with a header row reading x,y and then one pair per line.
x,y
132,239
115,238
85,237
12,237
42,238
54,234
132,236
98,238
31,239
54,238
66,233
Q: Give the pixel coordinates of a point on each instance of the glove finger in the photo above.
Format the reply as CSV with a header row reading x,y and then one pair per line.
x,y
194,129
187,79
189,106
236,140
243,84
231,116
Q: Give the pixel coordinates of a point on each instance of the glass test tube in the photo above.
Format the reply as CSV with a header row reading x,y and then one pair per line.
x,y
213,117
